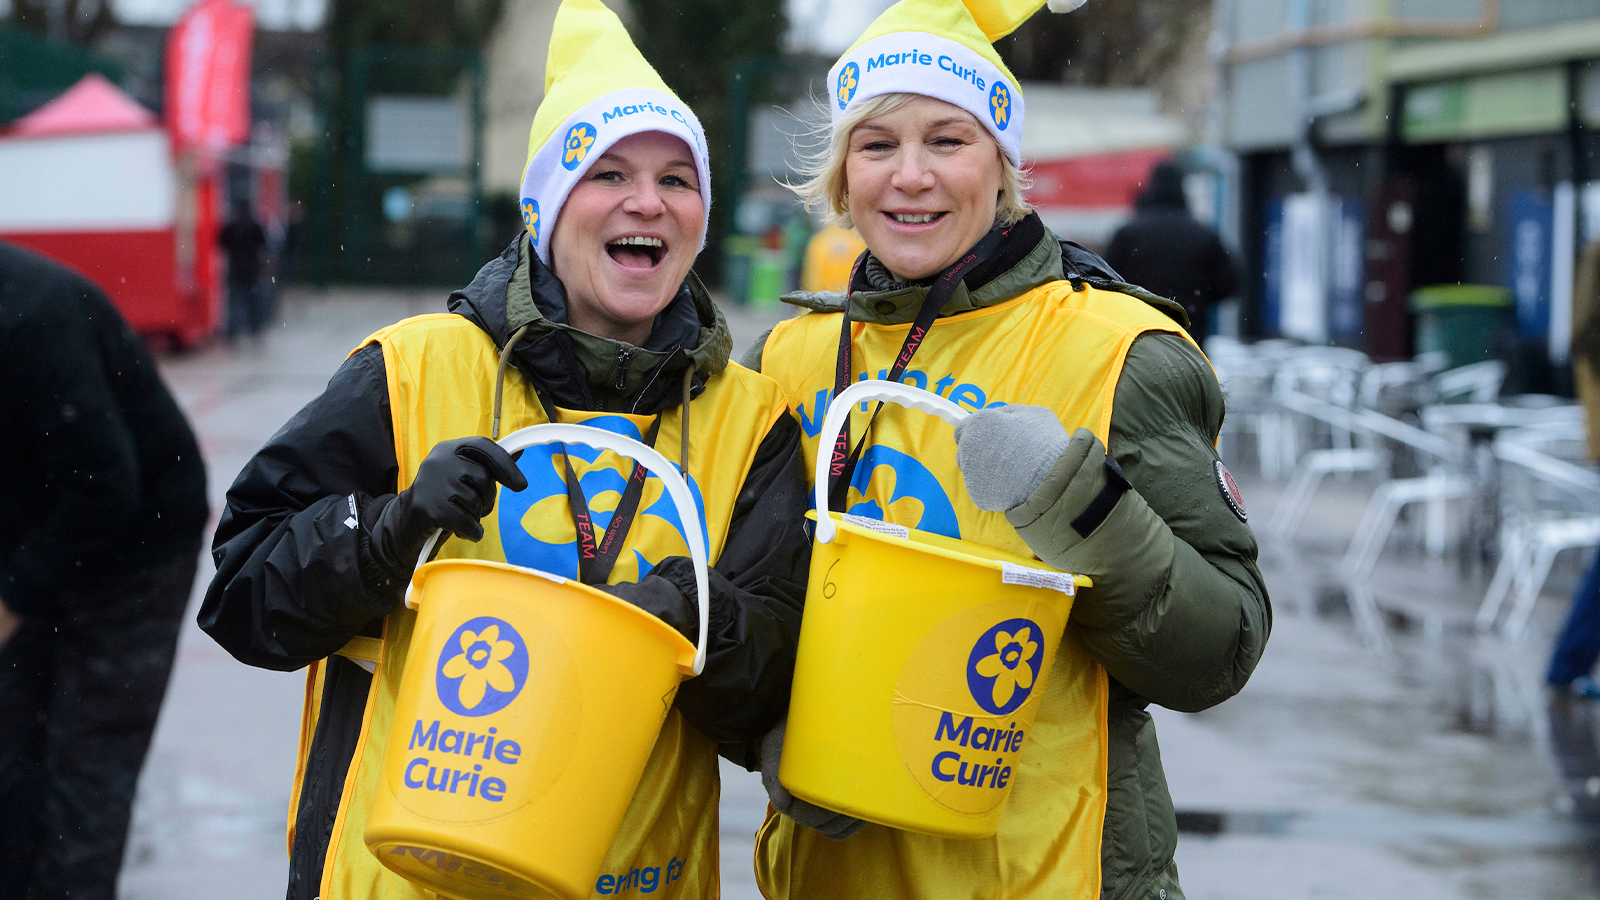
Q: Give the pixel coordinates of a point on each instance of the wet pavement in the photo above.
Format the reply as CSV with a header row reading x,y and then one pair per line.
x,y
1431,768
1437,767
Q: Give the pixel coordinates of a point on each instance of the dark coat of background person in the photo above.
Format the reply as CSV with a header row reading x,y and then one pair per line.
x,y
101,512
1165,251
245,243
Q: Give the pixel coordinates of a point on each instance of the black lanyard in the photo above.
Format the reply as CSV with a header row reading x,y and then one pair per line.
x,y
597,557
843,463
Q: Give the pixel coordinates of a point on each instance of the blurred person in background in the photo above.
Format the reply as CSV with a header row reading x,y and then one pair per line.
x,y
101,513
1578,644
1165,251
829,255
592,315
245,242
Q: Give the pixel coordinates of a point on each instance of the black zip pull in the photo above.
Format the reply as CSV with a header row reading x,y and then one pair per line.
x,y
623,355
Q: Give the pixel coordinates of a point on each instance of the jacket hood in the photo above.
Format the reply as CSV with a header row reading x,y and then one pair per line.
x,y
578,370
1165,190
1030,257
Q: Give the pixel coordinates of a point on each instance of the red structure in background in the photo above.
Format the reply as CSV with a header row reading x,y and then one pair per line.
x,y
94,181
1086,197
207,106
1106,180
91,183
208,77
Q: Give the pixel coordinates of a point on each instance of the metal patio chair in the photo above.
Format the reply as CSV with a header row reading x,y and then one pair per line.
x,y
1553,507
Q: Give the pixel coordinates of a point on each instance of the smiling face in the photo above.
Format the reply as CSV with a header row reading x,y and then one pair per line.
x,y
627,235
924,181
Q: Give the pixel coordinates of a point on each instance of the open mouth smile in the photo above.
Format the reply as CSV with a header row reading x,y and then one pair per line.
x,y
637,251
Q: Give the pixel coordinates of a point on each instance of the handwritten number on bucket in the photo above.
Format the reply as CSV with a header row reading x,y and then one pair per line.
x,y
828,587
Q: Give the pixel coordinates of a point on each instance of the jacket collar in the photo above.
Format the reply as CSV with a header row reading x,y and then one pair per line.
x,y
578,370
1027,258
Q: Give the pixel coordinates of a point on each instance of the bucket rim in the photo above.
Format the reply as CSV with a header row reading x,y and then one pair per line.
x,y
383,838
683,649
996,562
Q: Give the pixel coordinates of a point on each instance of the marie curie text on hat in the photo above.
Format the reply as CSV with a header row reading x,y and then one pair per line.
x,y
620,111
919,58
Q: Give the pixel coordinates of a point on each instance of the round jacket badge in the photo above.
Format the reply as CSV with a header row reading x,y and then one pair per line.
x,y
1229,489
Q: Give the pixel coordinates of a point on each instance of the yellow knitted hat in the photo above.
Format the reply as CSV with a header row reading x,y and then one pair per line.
x,y
598,89
942,49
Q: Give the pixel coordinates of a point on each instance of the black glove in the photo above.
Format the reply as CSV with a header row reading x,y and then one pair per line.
x,y
454,488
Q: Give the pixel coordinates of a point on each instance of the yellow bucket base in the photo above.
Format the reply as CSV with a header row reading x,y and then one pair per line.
x,y
445,870
919,671
513,781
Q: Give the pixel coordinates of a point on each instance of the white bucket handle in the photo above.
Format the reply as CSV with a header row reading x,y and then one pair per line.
x,y
839,414
677,489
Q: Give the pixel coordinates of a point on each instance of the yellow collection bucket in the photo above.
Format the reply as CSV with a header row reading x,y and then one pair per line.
x,y
921,664
526,714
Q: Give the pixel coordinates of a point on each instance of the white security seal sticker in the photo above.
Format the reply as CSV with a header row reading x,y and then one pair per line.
x,y
1011,573
878,525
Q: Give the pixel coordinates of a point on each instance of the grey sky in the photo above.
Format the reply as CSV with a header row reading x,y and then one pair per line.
x,y
824,26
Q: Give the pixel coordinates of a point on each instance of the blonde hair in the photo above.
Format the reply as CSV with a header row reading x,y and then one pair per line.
x,y
825,189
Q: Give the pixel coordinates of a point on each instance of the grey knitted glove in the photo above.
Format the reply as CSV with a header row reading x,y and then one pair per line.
x,y
833,825
1094,485
1005,452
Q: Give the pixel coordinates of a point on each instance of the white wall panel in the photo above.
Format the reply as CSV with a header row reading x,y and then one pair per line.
x,y
123,180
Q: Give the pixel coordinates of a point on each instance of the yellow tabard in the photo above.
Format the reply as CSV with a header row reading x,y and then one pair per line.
x,y
441,371
1052,347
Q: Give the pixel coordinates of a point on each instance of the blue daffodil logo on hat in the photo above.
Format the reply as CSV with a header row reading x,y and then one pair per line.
x,y
530,217
849,79
580,138
1004,665
482,667
1000,105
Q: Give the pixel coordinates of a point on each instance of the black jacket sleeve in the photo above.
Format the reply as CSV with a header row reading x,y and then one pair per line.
x,y
758,588
295,579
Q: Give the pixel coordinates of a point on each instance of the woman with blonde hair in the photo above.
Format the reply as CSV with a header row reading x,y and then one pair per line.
x,y
1091,446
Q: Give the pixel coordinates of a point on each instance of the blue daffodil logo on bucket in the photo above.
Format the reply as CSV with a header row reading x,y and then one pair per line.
x,y
849,79
1004,664
1000,105
580,138
482,668
530,217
